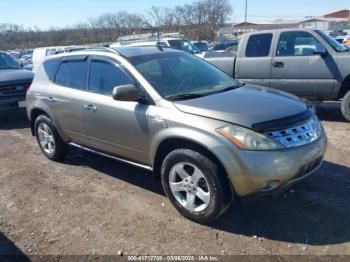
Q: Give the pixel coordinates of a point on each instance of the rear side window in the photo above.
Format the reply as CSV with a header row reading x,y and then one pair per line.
x,y
50,67
259,45
104,77
72,74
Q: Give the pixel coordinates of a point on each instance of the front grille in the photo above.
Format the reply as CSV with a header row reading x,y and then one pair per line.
x,y
13,90
298,135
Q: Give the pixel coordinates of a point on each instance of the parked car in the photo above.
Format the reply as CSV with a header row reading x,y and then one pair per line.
x,y
39,55
14,82
339,32
222,46
202,46
306,63
342,39
180,44
210,138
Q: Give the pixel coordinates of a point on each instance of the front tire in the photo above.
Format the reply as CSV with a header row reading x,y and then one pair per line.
x,y
194,185
345,106
50,142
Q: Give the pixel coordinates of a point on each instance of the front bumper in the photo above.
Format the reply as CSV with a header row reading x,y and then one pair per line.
x,y
11,103
253,172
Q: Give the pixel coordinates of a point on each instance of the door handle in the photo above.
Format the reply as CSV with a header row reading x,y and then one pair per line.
x,y
278,64
50,99
90,108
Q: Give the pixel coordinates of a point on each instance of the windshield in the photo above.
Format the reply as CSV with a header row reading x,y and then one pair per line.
x,y
175,75
184,45
331,41
7,62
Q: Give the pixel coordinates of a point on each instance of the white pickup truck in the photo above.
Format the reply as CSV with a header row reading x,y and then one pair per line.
x,y
306,63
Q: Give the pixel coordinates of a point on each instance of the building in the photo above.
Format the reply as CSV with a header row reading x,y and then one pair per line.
x,y
327,22
342,14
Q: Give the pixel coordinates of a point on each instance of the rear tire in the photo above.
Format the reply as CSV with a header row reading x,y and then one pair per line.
x,y
345,106
50,142
194,185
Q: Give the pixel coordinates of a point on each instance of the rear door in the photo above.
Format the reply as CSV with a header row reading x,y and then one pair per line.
x,y
296,69
116,127
253,64
66,98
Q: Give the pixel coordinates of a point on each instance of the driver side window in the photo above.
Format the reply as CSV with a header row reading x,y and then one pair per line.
x,y
296,44
104,77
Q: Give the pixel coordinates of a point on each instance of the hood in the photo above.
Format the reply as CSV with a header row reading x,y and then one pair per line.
x,y
15,75
245,106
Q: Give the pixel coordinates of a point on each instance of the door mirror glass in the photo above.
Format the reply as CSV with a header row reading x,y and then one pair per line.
x,y
126,93
320,50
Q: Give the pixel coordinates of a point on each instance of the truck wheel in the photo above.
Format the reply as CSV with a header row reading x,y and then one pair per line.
x,y
50,142
194,186
345,106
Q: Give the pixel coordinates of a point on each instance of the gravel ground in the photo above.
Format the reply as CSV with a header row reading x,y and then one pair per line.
x,y
91,205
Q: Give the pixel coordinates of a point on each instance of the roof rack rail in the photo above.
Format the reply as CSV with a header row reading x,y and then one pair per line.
x,y
101,49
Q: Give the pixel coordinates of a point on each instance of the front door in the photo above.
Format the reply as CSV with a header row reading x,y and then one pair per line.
x,y
296,69
115,127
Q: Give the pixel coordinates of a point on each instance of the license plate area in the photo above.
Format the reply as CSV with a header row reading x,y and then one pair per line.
x,y
22,104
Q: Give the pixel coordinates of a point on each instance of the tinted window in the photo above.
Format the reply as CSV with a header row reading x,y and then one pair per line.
x,y
50,67
72,74
105,77
296,44
259,45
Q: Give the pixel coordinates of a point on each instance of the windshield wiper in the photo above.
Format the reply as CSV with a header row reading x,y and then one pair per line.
x,y
6,68
185,96
197,95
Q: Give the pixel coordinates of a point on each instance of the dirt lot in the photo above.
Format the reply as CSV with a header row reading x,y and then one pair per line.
x,y
92,205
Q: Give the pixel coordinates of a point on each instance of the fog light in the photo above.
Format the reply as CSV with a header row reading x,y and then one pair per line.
x,y
271,185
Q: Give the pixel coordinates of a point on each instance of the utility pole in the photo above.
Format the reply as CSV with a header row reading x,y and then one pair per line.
x,y
246,15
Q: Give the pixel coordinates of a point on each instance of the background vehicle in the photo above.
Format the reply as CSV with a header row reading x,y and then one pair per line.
x,y
39,55
14,82
221,47
202,46
180,44
339,32
165,110
306,63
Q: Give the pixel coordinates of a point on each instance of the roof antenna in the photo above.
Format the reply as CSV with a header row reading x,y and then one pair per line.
x,y
158,42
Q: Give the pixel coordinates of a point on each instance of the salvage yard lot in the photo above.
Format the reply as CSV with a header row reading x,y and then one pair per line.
x,y
92,205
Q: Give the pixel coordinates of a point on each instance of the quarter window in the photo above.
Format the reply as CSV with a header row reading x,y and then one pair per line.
x,y
104,77
50,67
296,44
72,74
259,45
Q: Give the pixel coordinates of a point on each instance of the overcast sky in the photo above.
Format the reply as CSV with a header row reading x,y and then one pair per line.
x,y
60,13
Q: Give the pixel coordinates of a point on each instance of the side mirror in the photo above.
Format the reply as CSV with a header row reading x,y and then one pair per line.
x,y
320,50
126,93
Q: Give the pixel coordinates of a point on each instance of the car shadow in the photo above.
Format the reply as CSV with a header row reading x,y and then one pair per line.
x,y
330,111
130,174
9,251
315,212
14,120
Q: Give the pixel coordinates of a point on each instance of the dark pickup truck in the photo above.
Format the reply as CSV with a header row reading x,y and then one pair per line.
x,y
306,63
14,82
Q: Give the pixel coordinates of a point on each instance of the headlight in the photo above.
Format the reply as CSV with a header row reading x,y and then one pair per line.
x,y
247,139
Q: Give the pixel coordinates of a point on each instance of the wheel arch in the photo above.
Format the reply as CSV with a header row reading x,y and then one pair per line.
x,y
170,144
344,88
34,113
